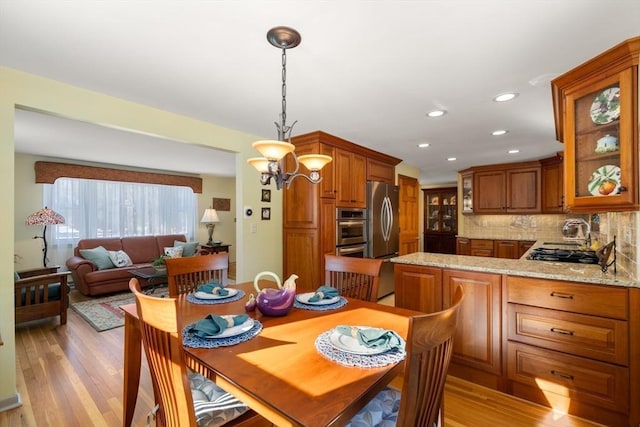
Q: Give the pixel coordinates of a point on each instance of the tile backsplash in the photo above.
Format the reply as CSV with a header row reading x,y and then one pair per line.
x,y
622,225
515,227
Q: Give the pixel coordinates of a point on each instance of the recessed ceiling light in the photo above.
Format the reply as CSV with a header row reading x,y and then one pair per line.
x,y
451,159
505,97
513,151
436,113
424,145
499,132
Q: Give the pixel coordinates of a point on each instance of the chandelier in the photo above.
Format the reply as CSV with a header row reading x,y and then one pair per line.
x,y
271,165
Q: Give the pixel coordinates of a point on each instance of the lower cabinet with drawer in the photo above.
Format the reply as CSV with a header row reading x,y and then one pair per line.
x,y
568,347
571,346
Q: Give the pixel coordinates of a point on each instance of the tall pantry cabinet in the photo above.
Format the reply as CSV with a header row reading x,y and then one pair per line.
x,y
309,210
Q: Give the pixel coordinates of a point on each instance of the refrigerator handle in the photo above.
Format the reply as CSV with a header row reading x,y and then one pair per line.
x,y
386,218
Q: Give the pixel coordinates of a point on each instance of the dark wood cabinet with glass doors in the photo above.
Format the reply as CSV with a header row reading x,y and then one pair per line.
x,y
440,220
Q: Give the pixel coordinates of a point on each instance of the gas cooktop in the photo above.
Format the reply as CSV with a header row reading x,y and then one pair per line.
x,y
564,255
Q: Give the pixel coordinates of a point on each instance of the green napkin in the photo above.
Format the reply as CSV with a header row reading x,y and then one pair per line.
x,y
215,325
324,292
373,337
214,288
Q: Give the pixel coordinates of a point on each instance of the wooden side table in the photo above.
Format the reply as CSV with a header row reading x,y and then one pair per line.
x,y
214,249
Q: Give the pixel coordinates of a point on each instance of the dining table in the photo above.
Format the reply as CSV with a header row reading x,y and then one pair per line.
x,y
280,372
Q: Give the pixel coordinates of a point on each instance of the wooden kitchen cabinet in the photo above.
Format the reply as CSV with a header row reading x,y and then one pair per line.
x,y
309,210
566,349
596,116
524,246
511,249
477,344
505,249
440,220
552,184
552,342
477,349
505,188
467,192
463,246
481,247
351,183
381,171
418,288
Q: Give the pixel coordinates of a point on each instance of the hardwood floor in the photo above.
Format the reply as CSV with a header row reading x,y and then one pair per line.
x,y
72,376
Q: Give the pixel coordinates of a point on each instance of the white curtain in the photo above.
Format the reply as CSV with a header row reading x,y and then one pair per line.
x,y
94,208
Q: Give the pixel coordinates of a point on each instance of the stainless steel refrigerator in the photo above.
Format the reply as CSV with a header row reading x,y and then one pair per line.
x,y
384,230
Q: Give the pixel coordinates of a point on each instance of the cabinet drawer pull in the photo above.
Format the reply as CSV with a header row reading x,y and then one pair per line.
x,y
561,295
562,375
561,331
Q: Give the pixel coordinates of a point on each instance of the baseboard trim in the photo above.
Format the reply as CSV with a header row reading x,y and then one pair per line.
x,y
11,402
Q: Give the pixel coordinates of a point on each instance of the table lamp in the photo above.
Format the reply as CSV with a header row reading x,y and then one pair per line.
x,y
210,218
44,217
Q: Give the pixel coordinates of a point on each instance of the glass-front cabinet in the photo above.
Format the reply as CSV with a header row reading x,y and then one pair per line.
x,y
597,118
440,220
467,192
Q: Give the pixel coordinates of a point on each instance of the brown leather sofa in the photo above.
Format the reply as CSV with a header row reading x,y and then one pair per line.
x,y
142,250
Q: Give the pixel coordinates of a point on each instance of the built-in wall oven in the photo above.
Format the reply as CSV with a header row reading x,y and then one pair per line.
x,y
351,232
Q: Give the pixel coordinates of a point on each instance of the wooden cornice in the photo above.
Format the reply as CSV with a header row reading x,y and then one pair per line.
x,y
48,172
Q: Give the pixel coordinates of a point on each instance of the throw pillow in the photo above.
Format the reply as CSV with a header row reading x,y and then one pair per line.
x,y
188,248
173,252
99,256
120,258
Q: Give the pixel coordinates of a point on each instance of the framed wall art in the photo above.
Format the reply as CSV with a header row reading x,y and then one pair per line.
x,y
266,196
266,214
221,204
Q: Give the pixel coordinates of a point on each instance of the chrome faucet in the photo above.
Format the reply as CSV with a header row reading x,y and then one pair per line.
x,y
577,229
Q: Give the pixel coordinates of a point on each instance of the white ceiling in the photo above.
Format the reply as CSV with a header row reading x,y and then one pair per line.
x,y
366,71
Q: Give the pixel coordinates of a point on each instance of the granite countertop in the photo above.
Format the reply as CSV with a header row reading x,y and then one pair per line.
x,y
521,267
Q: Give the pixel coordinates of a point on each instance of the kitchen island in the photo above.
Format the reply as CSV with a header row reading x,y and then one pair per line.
x,y
558,334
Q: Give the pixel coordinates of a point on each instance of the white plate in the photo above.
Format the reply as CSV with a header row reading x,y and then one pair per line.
x,y
304,299
601,175
206,295
606,106
351,345
234,330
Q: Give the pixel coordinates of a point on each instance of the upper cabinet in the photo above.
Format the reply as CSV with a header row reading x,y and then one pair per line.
x,y
351,179
503,188
552,185
596,116
467,192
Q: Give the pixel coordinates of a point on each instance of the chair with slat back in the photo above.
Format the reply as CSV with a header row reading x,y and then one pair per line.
x,y
184,275
429,349
40,293
353,277
174,386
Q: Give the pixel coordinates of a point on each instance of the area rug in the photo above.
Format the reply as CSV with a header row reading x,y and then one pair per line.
x,y
103,313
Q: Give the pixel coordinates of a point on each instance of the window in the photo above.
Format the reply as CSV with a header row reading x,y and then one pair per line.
x,y
94,208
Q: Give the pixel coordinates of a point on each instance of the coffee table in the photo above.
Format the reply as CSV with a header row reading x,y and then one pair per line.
x,y
149,276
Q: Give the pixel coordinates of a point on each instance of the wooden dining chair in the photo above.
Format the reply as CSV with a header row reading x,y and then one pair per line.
x,y
185,274
353,277
429,349
184,398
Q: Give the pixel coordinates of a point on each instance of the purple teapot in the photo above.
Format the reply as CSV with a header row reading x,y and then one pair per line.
x,y
275,302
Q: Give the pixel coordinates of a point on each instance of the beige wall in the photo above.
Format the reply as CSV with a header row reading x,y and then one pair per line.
x,y
254,252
